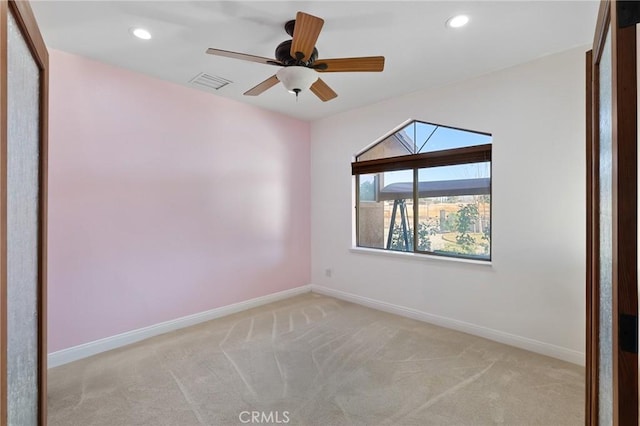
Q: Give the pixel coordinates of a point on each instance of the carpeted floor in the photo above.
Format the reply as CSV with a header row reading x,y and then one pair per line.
x,y
315,360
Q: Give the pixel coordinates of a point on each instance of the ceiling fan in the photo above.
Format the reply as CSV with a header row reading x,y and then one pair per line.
x,y
298,58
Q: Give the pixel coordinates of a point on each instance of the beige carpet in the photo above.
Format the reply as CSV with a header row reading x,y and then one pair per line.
x,y
315,360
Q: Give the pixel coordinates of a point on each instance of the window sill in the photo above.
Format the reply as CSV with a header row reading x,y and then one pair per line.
x,y
418,256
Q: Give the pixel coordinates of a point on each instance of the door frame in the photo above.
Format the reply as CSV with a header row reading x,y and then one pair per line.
x,y
624,214
23,14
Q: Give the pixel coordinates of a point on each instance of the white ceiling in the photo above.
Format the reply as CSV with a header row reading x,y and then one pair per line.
x,y
420,51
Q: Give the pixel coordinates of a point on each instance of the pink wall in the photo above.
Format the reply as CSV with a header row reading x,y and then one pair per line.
x,y
166,201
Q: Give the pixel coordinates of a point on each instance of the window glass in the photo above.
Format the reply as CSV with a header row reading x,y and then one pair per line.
x,y
439,138
419,137
455,210
385,210
394,145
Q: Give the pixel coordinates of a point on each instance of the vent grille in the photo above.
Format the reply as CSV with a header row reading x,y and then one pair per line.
x,y
209,81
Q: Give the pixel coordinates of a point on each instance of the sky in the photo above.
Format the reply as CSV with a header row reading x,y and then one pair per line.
x,y
443,137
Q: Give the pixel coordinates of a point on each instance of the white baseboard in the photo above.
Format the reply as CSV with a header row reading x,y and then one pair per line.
x,y
65,356
532,345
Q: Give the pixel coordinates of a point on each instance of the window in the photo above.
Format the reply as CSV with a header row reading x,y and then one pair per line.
x,y
426,189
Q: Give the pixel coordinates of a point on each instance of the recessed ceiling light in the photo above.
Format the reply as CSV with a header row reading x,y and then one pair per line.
x,y
141,33
458,21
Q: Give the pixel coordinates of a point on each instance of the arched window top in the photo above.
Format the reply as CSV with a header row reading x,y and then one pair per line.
x,y
419,137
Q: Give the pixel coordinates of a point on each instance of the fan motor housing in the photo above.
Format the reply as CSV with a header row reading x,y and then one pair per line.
x,y
283,55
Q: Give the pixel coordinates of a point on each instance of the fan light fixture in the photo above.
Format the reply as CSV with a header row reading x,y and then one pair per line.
x,y
141,33
458,21
296,78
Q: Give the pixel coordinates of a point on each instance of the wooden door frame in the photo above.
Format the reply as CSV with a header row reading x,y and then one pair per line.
x,y
23,14
624,214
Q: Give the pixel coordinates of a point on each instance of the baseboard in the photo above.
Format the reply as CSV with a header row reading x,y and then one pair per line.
x,y
532,345
75,353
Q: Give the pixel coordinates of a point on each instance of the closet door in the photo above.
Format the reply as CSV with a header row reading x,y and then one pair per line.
x,y
23,91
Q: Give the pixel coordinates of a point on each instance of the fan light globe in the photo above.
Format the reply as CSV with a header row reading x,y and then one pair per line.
x,y
296,78
458,21
141,33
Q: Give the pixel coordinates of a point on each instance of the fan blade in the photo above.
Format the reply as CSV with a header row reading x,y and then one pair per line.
x,y
243,56
364,64
262,87
305,34
323,91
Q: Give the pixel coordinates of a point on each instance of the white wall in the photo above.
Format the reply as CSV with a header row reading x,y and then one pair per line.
x,y
533,293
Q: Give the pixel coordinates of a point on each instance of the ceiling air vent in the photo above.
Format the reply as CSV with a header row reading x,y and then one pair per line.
x,y
209,81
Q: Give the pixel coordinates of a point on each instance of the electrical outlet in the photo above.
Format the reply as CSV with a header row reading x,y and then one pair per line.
x,y
328,272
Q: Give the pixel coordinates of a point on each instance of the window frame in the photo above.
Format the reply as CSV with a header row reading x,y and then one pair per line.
x,y
415,162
